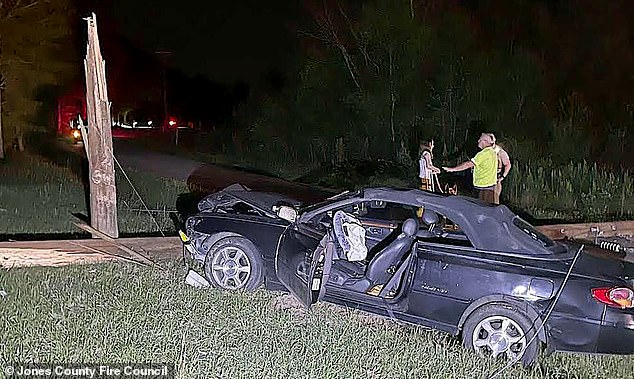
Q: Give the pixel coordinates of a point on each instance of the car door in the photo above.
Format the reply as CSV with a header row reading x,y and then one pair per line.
x,y
302,262
445,282
305,250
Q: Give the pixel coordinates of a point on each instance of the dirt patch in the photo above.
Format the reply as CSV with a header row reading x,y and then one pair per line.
x,y
288,302
364,317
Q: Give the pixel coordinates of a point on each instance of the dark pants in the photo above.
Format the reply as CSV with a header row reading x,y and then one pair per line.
x,y
487,194
498,191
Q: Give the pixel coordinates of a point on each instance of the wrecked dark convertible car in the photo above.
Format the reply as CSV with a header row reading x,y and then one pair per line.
x,y
475,270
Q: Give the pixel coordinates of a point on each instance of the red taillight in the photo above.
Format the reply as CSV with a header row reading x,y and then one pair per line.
x,y
618,297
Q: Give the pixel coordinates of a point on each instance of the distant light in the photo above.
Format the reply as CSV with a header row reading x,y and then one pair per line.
x,y
76,134
149,122
172,123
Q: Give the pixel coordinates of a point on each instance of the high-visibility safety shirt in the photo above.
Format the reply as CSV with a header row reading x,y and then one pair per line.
x,y
486,168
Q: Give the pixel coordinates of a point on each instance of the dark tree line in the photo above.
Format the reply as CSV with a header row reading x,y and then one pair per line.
x,y
550,78
37,58
371,79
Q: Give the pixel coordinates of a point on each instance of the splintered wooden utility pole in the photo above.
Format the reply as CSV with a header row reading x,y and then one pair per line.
x,y
98,139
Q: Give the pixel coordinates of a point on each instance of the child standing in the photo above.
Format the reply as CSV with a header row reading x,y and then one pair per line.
x,y
426,168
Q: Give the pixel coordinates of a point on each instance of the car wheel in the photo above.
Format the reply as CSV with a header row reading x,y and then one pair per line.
x,y
501,330
234,263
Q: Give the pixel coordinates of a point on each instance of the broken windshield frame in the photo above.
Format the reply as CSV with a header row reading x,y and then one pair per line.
x,y
330,200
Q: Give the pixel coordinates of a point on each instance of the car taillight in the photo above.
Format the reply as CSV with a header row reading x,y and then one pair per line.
x,y
618,297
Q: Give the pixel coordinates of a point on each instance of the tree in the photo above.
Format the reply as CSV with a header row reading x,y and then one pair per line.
x,y
376,81
37,52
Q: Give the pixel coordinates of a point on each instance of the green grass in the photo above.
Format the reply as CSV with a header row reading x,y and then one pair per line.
x,y
125,313
576,191
40,197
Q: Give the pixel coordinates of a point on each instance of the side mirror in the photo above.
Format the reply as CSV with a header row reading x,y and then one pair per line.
x,y
286,213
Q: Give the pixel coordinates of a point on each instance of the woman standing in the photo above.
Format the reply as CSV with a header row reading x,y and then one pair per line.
x,y
426,168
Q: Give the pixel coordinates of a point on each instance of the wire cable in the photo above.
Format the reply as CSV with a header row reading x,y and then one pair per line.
x,y
137,193
550,310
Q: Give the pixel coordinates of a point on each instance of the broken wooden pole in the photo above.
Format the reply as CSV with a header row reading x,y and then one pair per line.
x,y
118,245
588,230
98,141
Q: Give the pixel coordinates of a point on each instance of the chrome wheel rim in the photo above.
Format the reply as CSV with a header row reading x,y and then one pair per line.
x,y
231,268
499,336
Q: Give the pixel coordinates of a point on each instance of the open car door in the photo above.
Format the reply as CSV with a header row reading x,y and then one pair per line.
x,y
303,268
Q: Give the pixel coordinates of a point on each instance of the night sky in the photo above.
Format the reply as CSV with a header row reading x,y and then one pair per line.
x,y
224,41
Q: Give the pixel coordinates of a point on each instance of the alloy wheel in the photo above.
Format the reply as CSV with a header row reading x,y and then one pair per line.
x,y
231,268
499,335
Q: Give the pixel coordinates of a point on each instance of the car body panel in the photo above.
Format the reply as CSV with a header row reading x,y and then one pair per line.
x,y
262,234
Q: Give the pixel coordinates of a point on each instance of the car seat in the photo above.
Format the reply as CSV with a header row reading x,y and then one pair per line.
x,y
429,219
383,264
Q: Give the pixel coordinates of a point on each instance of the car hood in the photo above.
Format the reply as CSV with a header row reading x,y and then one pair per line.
x,y
264,201
602,264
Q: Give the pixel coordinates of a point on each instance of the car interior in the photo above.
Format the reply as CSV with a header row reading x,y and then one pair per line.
x,y
391,233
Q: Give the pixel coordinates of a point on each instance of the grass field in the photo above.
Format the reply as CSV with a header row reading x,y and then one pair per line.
x,y
124,313
577,191
40,197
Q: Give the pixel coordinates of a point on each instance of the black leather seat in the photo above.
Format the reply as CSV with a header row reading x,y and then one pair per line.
x,y
430,219
378,270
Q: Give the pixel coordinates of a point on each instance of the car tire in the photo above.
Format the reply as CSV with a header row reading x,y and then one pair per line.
x,y
234,263
501,330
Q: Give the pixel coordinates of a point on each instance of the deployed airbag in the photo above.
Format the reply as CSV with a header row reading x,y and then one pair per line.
x,y
350,235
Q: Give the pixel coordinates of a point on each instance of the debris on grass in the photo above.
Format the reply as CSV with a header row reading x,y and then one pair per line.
x,y
196,280
3,293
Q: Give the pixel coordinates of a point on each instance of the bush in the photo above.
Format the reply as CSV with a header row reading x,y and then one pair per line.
x,y
358,173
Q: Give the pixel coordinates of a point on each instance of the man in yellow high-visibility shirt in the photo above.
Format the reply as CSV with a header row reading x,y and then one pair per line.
x,y
485,168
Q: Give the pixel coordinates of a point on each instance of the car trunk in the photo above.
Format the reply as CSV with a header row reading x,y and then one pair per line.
x,y
603,264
